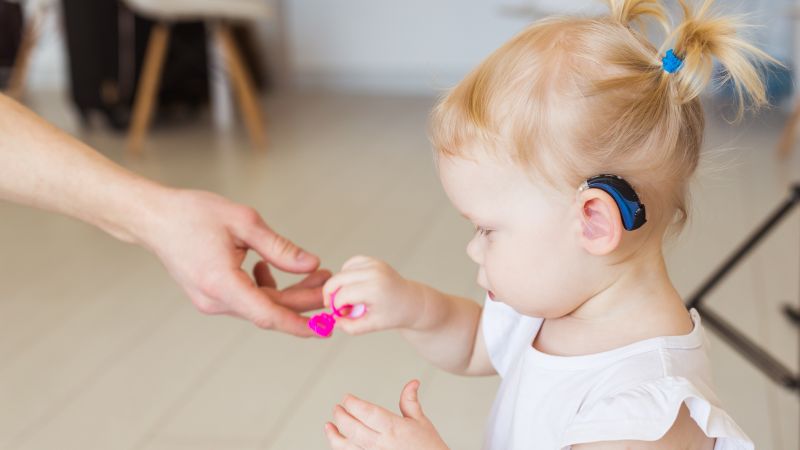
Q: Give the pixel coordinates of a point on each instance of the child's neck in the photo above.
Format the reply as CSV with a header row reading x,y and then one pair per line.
x,y
638,304
642,283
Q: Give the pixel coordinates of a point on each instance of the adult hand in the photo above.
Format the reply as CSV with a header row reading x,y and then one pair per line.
x,y
200,237
203,238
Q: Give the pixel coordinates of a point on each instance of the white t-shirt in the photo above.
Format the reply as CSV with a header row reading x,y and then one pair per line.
x,y
630,393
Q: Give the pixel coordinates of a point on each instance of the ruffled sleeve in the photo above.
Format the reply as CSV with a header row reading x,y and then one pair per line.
x,y
646,412
506,333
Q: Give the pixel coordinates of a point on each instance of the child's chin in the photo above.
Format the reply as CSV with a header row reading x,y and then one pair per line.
x,y
526,310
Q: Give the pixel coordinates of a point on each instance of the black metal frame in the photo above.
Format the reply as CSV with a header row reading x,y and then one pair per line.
x,y
754,353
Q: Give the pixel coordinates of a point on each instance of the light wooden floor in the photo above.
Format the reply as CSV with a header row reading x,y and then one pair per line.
x,y
99,350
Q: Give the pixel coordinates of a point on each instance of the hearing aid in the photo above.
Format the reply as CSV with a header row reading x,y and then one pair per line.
x,y
631,209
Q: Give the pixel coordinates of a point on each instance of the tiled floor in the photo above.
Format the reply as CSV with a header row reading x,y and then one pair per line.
x,y
99,350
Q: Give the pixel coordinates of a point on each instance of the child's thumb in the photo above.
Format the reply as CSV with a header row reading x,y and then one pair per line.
x,y
409,401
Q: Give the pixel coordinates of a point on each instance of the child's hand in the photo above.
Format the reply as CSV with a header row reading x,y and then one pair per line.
x,y
391,301
362,425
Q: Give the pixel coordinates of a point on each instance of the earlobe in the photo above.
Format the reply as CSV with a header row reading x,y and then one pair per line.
x,y
601,224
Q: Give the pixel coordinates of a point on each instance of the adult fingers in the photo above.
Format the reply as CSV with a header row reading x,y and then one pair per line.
x,y
303,296
263,275
255,305
300,300
280,318
312,280
274,248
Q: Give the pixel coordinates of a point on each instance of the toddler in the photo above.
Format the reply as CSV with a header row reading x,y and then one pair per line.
x,y
552,147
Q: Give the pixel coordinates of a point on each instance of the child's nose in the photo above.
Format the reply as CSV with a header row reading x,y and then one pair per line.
x,y
475,250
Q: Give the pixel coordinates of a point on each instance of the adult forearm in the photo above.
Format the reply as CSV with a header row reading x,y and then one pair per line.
x,y
447,330
201,238
44,167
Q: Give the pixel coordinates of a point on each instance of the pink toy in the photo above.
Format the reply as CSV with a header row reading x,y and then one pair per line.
x,y
323,323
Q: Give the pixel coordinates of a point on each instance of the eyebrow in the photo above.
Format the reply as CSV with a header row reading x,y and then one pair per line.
x,y
473,219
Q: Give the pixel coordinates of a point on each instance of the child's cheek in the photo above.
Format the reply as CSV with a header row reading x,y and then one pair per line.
x,y
515,270
504,270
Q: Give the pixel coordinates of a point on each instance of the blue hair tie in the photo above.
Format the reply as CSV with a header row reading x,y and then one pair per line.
x,y
671,63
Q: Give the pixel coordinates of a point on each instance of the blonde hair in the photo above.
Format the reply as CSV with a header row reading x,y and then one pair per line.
x,y
572,97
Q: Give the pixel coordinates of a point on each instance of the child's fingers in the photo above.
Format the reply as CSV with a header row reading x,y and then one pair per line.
x,y
409,401
371,415
357,326
358,261
352,288
352,429
335,439
349,276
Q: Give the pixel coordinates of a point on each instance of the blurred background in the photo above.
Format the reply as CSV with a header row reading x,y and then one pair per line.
x,y
315,113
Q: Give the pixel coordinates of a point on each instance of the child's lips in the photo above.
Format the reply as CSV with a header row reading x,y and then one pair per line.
x,y
491,295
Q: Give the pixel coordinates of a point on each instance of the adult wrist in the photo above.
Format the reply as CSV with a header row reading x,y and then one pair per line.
x,y
133,210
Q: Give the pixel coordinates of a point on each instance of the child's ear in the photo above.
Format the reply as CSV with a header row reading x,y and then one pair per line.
x,y
601,223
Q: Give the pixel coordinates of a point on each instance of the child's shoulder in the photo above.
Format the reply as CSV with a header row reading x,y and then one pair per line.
x,y
685,433
631,392
643,385
648,410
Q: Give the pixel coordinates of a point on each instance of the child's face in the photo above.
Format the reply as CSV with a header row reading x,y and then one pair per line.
x,y
526,241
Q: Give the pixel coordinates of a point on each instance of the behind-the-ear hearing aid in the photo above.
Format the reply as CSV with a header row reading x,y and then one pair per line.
x,y
630,208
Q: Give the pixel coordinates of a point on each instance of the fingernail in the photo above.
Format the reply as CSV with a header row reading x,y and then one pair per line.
x,y
357,311
304,257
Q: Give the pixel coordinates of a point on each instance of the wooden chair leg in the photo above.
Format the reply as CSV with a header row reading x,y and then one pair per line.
x,y
789,132
147,91
243,85
19,70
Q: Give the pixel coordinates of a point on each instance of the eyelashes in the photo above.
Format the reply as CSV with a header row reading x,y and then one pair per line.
x,y
481,231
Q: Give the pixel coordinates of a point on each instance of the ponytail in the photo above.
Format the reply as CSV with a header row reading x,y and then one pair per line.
x,y
703,37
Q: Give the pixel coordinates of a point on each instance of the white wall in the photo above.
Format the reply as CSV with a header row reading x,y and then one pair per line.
x,y
406,46
426,45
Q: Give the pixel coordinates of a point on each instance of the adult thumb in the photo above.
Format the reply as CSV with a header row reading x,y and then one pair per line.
x,y
409,401
279,251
